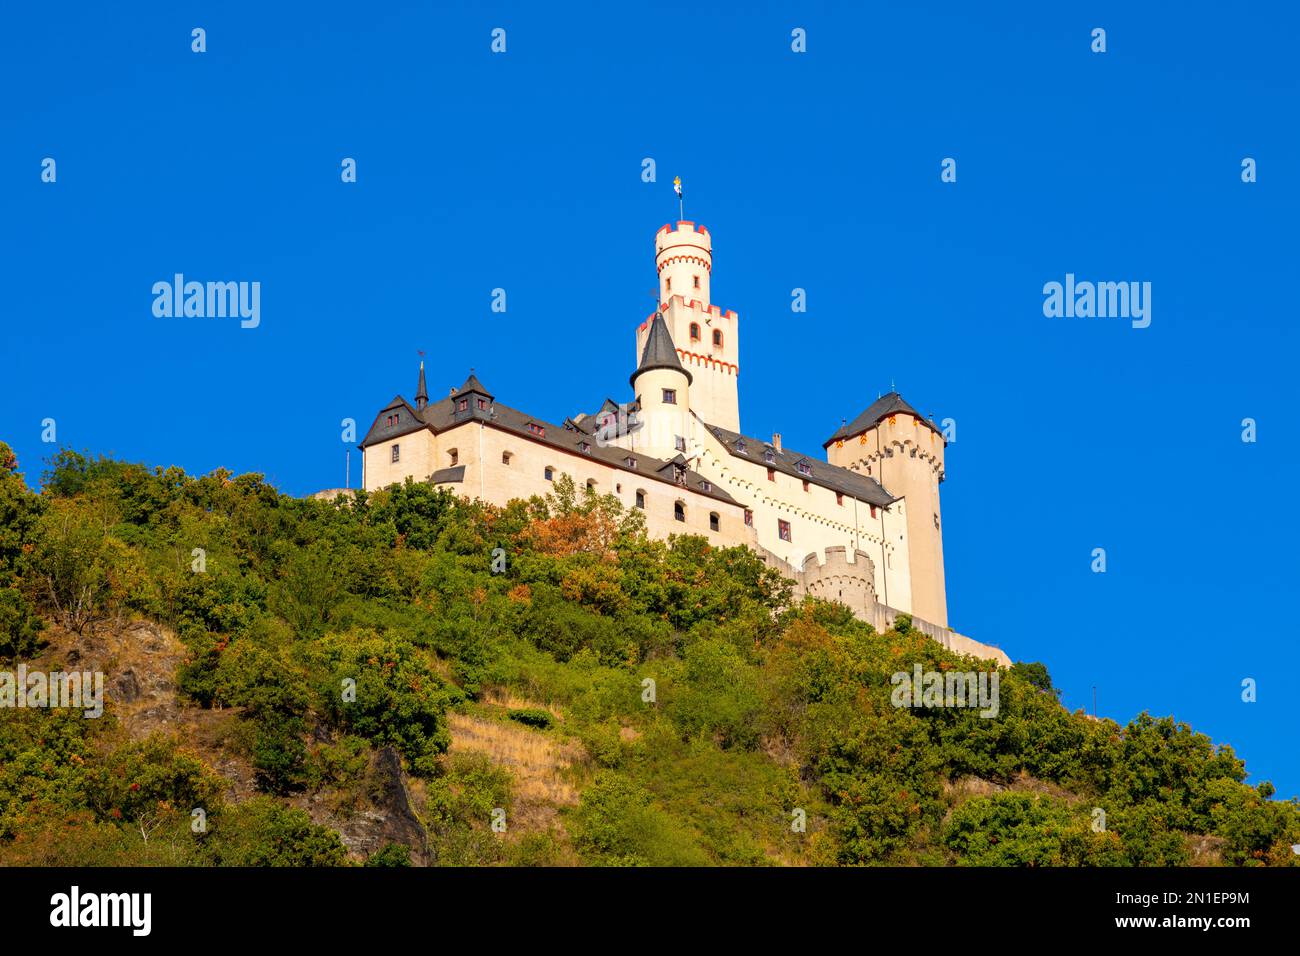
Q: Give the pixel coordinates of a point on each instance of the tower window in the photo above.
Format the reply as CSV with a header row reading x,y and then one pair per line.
x,y
670,396
679,511
462,405
771,474
679,443
695,331
640,499
549,473
505,458
697,282
670,283
397,453
749,518
713,521
783,529
717,338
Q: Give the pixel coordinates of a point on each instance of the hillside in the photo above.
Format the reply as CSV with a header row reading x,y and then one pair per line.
x,y
403,677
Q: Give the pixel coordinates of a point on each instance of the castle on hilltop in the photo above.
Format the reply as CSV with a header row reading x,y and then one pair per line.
x,y
861,527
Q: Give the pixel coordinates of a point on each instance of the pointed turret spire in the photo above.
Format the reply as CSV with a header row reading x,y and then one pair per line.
x,y
659,351
421,390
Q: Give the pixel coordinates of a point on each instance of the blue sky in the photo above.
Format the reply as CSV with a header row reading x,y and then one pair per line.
x,y
818,170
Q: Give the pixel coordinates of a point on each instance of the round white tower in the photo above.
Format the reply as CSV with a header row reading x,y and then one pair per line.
x,y
684,259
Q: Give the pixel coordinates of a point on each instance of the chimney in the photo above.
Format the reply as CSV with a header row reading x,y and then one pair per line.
x,y
776,440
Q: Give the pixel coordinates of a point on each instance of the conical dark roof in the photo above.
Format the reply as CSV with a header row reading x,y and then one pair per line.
x,y
472,384
421,390
659,351
891,404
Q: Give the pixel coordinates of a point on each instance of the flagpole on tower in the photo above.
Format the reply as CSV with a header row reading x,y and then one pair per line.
x,y
681,207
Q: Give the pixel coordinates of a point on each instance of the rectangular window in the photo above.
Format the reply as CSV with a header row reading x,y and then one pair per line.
x,y
706,486
680,443
482,404
873,511
640,499
713,522
397,453
630,462
783,529
839,498
805,468
455,458
670,396
805,484
536,429
771,474
462,405
749,518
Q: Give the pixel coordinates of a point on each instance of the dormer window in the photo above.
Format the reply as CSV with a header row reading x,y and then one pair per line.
x,y
630,461
768,456
805,468
584,446
462,405
740,444
536,429
706,486
482,404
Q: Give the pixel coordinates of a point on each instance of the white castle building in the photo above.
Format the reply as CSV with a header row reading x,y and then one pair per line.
x,y
861,526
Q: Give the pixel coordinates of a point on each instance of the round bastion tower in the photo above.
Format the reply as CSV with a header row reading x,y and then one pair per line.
x,y
705,336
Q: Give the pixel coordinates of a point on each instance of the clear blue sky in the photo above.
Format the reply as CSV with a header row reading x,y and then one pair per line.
x,y
819,171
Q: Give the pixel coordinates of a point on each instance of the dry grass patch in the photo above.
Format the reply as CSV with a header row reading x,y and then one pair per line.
x,y
540,764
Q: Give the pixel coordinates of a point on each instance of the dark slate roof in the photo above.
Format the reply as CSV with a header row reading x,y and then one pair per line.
x,y
472,384
441,415
659,351
408,420
448,475
421,389
886,405
826,475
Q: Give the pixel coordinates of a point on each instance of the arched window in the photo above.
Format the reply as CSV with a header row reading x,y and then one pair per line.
x,y
640,499
695,331
717,338
679,510
713,521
